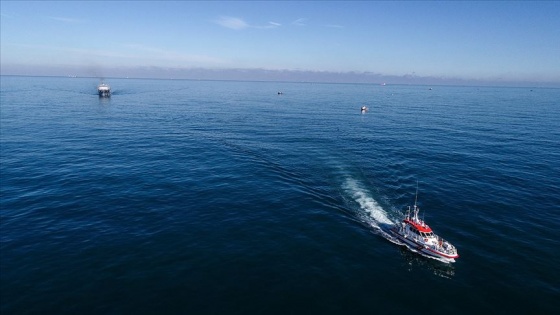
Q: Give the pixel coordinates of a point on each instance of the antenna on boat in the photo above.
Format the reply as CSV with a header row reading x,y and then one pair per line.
x,y
415,204
416,198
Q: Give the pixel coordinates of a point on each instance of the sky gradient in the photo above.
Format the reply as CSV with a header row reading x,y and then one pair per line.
x,y
447,41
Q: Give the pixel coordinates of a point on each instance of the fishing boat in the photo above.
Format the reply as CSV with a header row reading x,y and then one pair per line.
x,y
419,237
104,90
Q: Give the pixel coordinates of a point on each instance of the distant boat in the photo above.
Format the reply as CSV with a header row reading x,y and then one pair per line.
x,y
104,90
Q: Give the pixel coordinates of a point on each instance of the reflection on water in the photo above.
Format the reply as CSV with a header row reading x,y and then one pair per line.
x,y
104,100
438,268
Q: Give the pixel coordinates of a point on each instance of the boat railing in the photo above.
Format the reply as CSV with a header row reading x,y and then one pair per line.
x,y
445,246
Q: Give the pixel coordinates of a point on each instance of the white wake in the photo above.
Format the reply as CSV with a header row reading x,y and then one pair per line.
x,y
375,213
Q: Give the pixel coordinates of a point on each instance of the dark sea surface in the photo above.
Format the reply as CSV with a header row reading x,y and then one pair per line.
x,y
209,197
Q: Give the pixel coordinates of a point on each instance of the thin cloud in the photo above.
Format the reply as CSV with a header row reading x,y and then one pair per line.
x,y
334,26
240,24
300,22
273,25
269,25
232,23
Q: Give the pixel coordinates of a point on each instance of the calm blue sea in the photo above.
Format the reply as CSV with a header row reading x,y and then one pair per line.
x,y
209,197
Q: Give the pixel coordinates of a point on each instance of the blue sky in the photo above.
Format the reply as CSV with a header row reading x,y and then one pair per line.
x,y
480,40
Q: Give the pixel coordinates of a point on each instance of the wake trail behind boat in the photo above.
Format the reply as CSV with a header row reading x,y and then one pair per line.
x,y
371,211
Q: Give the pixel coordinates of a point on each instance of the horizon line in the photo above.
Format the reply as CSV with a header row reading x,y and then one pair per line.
x,y
489,85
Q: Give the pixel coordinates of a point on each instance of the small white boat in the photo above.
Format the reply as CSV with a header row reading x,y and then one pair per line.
x,y
104,90
419,237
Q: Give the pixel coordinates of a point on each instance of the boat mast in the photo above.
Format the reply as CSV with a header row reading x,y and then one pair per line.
x,y
416,198
415,202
